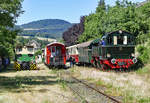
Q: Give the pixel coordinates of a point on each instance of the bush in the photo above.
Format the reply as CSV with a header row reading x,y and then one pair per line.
x,y
141,49
144,53
39,52
138,65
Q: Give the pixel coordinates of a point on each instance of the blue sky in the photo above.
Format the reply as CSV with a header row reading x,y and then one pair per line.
x,y
70,10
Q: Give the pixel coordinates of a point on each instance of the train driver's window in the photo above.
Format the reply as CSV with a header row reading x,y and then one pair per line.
x,y
125,40
120,39
20,49
115,40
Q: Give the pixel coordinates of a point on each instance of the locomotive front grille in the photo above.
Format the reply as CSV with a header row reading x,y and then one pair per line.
x,y
120,52
25,65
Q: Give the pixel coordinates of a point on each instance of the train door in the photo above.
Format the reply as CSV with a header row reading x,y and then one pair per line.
x,y
53,55
58,58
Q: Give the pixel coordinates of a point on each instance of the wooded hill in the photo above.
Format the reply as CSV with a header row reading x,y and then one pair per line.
x,y
49,28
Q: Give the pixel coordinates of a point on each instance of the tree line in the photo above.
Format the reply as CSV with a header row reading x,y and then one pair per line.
x,y
123,15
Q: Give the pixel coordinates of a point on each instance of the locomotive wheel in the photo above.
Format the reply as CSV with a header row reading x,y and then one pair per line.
x,y
104,67
95,64
99,66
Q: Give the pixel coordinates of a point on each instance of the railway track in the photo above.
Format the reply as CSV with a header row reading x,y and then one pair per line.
x,y
88,93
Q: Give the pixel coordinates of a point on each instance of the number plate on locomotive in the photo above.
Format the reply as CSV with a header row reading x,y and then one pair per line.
x,y
121,63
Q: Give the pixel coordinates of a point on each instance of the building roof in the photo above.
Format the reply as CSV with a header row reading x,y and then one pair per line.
x,y
118,31
35,42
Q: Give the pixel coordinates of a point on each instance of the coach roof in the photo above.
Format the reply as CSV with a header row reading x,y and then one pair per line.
x,y
54,43
85,44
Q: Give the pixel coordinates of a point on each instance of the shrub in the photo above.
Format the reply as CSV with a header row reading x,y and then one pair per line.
x,y
144,53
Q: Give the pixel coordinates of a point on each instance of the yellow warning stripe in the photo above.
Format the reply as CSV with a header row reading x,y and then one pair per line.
x,y
17,66
33,67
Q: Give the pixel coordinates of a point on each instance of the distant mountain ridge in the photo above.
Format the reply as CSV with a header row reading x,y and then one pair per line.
x,y
51,28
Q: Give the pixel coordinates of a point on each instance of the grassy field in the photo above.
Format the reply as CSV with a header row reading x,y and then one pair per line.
x,y
39,86
40,38
45,85
132,87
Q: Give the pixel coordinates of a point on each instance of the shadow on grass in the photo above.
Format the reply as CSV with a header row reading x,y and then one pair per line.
x,y
19,83
8,69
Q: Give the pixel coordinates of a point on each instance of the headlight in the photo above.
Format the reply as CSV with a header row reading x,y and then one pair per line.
x,y
108,55
133,55
134,60
113,61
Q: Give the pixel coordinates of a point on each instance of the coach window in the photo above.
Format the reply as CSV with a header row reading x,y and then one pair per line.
x,y
77,51
58,51
71,51
53,52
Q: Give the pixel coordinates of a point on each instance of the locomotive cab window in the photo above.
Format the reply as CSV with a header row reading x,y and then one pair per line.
x,y
120,40
125,40
115,40
109,40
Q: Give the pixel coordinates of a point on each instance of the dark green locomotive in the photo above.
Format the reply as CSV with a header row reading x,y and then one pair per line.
x,y
115,50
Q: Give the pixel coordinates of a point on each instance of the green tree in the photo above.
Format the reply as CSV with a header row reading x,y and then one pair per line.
x,y
93,23
101,6
9,11
124,15
39,52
